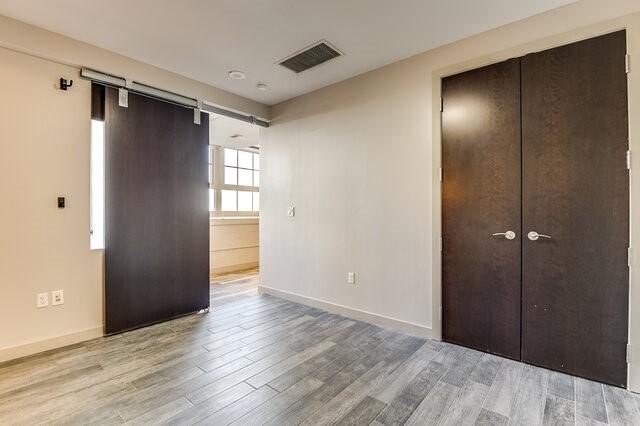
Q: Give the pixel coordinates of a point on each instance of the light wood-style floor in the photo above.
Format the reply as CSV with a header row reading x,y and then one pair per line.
x,y
257,359
229,284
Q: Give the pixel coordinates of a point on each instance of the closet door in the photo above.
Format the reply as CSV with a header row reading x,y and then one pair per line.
x,y
576,192
481,202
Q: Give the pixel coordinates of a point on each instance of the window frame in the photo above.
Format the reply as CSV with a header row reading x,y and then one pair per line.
x,y
218,185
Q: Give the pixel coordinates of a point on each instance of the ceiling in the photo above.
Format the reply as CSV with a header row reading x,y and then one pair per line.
x,y
205,39
232,133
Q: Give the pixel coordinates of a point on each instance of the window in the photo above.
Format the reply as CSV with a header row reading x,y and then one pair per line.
x,y
235,182
241,168
229,200
96,239
210,165
245,201
212,199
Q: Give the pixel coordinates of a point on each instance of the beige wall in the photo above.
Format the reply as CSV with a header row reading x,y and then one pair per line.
x,y
233,244
359,160
44,152
22,37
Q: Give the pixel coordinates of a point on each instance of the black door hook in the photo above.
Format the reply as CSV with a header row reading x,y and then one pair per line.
x,y
64,83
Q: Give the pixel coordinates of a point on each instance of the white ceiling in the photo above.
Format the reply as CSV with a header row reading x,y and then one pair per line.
x,y
204,39
232,133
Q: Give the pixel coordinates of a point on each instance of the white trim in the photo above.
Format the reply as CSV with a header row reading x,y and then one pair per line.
x,y
20,351
381,320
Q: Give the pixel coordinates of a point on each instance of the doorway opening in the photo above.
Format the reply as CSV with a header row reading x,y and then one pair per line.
x,y
234,207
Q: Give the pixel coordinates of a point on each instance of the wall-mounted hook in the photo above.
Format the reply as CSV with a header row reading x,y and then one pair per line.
x,y
64,83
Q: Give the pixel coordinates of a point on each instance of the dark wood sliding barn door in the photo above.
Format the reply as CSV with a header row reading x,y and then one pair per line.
x,y
576,190
481,200
157,219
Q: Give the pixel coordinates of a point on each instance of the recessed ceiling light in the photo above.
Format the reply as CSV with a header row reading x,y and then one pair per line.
x,y
262,87
235,135
236,75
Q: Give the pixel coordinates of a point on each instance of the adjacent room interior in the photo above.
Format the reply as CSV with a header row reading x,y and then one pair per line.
x,y
300,212
234,206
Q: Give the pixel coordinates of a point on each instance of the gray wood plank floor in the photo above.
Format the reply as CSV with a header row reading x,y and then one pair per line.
x,y
257,359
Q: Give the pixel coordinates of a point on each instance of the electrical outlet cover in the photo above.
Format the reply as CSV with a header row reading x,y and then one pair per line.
x,y
42,300
57,297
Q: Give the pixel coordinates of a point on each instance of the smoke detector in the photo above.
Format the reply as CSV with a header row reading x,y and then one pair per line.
x,y
236,75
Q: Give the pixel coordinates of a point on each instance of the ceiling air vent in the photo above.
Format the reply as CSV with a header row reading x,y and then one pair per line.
x,y
310,57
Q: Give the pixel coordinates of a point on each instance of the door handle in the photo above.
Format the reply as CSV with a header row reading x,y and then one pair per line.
x,y
509,235
533,236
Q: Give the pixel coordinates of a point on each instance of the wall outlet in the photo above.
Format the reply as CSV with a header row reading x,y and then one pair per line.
x,y
57,297
291,211
42,300
351,277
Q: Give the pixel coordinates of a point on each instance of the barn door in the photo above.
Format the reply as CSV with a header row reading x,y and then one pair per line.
x,y
156,212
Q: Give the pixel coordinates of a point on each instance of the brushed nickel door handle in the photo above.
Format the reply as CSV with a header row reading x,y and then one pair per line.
x,y
509,235
533,236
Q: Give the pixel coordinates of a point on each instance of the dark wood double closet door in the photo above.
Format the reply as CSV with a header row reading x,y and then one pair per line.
x,y
539,144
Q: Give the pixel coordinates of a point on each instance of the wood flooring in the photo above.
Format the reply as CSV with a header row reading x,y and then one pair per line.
x,y
256,359
235,283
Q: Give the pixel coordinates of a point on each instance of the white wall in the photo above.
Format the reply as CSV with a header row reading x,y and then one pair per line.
x,y
358,174
354,159
359,160
233,244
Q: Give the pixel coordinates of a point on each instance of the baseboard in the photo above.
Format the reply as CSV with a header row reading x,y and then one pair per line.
x,y
20,351
384,321
233,268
